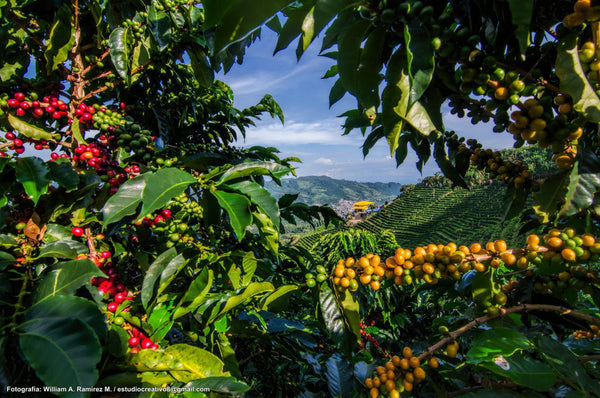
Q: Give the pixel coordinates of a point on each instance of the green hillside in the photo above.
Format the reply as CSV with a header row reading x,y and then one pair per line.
x,y
422,215
326,190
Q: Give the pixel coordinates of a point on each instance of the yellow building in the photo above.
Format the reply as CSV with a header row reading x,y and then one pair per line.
x,y
360,207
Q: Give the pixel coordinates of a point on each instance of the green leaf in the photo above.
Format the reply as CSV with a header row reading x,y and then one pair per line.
x,y
225,385
160,26
227,354
6,260
351,312
125,202
524,371
584,183
348,61
339,374
337,92
491,343
293,24
573,80
522,12
278,300
62,172
119,52
546,200
420,60
62,249
251,290
565,363
29,130
76,131
184,362
332,316
238,208
260,197
445,165
33,174
63,352
69,307
395,98
418,117
255,168
238,18
65,278
195,294
319,17
151,282
203,72
59,42
162,186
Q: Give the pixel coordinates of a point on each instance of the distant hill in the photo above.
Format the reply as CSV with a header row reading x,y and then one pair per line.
x,y
325,190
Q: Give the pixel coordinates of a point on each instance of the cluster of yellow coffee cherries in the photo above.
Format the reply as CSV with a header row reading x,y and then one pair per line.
x,y
594,333
582,12
503,170
398,375
432,262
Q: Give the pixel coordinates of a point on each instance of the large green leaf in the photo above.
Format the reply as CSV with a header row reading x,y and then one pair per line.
x,y
184,362
349,54
566,363
339,374
6,259
238,209
419,55
251,290
294,24
69,307
446,166
351,312
484,287
255,168
65,278
573,80
119,52
238,18
160,26
195,294
395,98
63,352
62,249
162,186
59,42
29,130
126,201
278,300
260,197
152,279
332,316
33,174
203,72
497,341
524,371
319,16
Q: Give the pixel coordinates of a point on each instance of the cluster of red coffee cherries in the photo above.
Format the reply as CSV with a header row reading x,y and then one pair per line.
x,y
368,337
159,216
50,105
139,340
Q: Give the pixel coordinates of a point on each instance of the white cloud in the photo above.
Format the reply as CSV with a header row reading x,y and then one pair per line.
x,y
324,161
324,132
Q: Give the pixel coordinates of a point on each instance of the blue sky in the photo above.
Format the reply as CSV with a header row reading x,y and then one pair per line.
x,y
312,131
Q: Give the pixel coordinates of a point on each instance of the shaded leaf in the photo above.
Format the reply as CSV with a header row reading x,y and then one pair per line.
x,y
59,42
33,174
